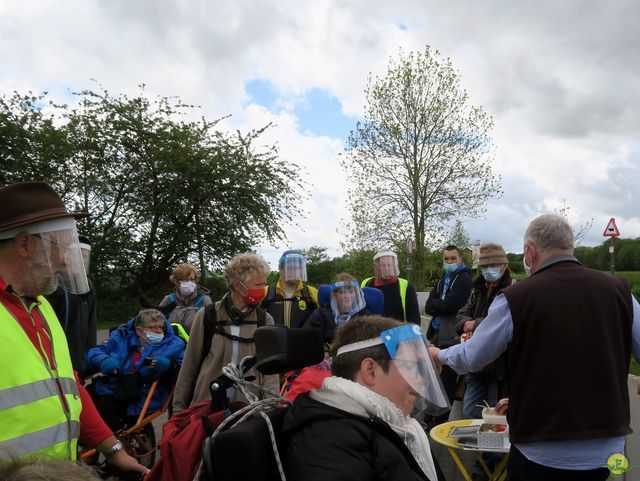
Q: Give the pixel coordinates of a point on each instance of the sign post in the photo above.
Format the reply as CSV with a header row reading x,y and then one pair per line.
x,y
409,258
612,231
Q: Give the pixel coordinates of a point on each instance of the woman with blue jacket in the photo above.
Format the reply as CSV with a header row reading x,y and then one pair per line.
x,y
133,356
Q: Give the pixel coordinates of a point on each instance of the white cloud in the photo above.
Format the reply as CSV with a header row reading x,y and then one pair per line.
x,y
559,78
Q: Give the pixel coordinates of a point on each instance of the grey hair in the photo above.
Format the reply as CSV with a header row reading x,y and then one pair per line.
x,y
549,232
242,266
146,315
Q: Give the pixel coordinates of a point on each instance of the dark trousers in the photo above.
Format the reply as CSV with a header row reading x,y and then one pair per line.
x,y
521,469
114,413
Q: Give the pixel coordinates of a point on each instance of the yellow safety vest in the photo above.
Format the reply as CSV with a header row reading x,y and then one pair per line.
x,y
403,292
34,418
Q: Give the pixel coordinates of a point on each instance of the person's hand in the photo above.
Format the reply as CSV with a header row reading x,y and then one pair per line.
x,y
433,352
502,406
160,364
124,462
469,326
109,365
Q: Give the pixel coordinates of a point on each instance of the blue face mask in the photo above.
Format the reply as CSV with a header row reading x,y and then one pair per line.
x,y
491,274
450,267
154,337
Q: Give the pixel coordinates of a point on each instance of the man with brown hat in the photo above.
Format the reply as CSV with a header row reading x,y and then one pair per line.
x,y
482,386
486,385
43,408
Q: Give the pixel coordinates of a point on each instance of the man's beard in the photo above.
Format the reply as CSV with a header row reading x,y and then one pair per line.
x,y
43,280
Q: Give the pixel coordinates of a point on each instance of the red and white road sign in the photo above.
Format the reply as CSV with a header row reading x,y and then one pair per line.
x,y
612,229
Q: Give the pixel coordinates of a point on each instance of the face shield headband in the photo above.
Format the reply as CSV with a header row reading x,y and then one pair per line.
x,y
61,254
295,267
386,264
408,352
347,300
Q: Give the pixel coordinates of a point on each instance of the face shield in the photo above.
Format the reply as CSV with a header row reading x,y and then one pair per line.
x,y
407,349
386,264
85,250
294,267
346,298
60,255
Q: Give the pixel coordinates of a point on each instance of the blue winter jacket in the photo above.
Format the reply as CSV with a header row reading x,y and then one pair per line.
x,y
122,343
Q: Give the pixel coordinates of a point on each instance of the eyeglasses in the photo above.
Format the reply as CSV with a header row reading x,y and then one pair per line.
x,y
153,328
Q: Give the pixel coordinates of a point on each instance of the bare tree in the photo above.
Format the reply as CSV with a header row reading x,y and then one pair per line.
x,y
579,230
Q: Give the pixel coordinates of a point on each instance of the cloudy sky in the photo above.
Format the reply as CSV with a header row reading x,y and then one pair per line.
x,y
561,80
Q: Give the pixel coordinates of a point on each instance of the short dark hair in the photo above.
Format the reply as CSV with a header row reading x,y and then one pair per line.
x,y
360,328
451,247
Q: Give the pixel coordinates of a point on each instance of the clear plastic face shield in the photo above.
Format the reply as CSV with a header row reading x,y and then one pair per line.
x,y
85,250
294,267
407,349
386,264
346,297
60,257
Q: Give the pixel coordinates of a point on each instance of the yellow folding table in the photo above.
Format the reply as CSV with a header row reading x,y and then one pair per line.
x,y
440,434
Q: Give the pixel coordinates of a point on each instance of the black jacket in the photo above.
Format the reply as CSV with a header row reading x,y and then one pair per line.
x,y
326,443
325,320
77,316
447,308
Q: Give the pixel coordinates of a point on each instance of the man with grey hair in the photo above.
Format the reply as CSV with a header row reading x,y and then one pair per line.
x,y
568,332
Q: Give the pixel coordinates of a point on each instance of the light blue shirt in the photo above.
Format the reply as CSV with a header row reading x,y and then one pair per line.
x,y
490,340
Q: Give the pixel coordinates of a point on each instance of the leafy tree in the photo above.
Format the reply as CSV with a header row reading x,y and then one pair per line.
x,y
161,189
420,157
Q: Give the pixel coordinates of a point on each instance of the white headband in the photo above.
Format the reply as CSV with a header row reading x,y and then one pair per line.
x,y
385,254
356,346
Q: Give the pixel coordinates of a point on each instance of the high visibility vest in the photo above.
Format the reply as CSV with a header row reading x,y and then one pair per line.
x,y
39,407
403,292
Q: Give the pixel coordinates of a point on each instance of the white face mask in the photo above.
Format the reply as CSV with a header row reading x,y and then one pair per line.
x,y
527,269
187,287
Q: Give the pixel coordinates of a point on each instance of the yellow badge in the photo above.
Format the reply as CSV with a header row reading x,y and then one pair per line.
x,y
302,305
618,465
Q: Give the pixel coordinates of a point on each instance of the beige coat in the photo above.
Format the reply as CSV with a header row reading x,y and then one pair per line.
x,y
192,385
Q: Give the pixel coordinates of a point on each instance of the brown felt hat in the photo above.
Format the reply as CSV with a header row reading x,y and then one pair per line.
x,y
26,203
492,254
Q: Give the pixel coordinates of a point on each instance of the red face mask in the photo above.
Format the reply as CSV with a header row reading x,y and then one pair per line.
x,y
252,297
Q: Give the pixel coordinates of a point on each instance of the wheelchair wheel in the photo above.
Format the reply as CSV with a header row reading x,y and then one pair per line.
x,y
142,445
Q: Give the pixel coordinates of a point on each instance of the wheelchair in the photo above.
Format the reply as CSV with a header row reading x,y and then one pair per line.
x,y
139,439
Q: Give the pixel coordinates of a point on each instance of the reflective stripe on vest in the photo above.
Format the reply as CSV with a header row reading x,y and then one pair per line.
x,y
49,441
403,292
15,396
39,406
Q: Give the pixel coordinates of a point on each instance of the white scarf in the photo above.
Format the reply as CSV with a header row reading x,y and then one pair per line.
x,y
364,402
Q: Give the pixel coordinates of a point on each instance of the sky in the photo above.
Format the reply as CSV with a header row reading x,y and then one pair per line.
x,y
560,79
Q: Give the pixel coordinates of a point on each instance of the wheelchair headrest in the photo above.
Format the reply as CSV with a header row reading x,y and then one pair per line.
x,y
324,294
280,349
373,298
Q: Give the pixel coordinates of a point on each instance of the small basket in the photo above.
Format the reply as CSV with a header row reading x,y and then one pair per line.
x,y
488,438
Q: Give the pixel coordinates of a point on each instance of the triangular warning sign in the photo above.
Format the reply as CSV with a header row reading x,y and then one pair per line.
x,y
612,229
